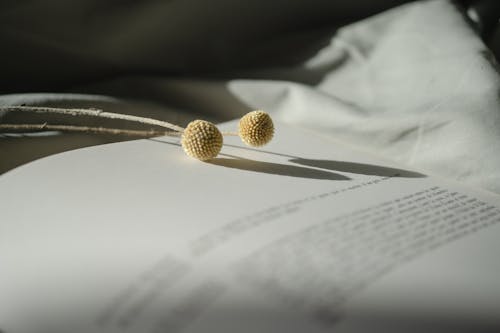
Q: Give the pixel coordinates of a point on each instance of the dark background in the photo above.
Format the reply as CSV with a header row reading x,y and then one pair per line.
x,y
57,45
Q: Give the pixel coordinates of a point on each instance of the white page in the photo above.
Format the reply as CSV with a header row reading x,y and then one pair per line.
x,y
304,235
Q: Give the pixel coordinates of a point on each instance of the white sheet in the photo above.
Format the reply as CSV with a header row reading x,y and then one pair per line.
x,y
414,84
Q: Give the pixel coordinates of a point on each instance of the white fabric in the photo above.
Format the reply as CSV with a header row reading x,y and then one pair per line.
x,y
414,84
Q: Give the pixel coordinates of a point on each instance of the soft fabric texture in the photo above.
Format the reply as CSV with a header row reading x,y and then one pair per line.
x,y
413,84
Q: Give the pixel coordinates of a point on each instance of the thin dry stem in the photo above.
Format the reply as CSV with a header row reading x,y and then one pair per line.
x,y
83,129
93,113
230,133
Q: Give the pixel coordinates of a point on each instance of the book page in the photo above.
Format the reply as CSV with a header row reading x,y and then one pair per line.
x,y
303,235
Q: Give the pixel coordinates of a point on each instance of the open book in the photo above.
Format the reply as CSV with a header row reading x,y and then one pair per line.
x,y
304,235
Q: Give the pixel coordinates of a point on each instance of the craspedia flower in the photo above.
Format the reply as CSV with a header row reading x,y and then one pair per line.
x,y
256,128
201,140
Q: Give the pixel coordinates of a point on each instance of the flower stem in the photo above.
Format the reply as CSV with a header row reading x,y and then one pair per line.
x,y
93,113
84,129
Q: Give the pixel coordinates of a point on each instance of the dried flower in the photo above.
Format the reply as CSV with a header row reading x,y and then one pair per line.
x,y
202,140
256,128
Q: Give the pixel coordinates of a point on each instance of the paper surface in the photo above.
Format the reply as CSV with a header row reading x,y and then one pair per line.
x,y
303,235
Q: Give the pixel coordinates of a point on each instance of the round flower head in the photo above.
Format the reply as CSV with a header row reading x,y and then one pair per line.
x,y
256,128
201,140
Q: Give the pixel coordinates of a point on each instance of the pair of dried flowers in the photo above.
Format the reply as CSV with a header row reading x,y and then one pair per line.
x,y
200,139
